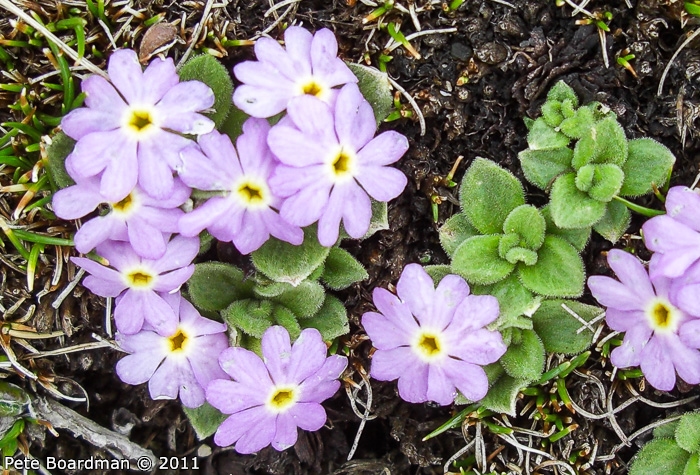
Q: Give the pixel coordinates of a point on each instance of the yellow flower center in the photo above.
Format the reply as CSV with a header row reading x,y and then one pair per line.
x,y
282,398
313,88
139,279
178,342
663,316
140,120
429,345
125,205
342,165
251,193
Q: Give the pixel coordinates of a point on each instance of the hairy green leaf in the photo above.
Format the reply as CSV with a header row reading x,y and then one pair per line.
x,y
660,456
610,141
455,231
477,260
615,221
578,124
284,262
331,320
648,163
252,316
210,71
525,359
558,272
438,272
561,92
376,88
572,208
281,315
543,137
205,419
559,330
304,300
527,222
576,237
688,432
514,300
503,395
488,194
341,269
542,167
214,285
61,146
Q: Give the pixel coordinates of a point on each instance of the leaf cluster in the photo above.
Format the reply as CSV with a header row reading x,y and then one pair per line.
x,y
674,449
581,156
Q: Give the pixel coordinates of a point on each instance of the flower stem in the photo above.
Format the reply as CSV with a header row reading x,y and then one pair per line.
x,y
648,212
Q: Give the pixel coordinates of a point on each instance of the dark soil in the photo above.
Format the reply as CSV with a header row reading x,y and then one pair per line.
x,y
507,58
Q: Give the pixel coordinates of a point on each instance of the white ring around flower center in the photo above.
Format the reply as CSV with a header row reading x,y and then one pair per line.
x,y
252,193
140,121
312,86
429,345
139,278
663,316
342,164
281,398
180,344
128,206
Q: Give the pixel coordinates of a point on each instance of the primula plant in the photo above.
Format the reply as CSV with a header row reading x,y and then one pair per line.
x,y
149,173
580,155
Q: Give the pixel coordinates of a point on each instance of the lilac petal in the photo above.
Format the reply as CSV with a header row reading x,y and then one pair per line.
x,y
297,42
260,425
285,432
685,360
270,53
306,206
173,280
308,416
388,365
611,293
357,210
296,148
76,201
308,358
125,73
100,95
159,77
449,294
396,311
212,211
192,123
413,384
630,352
155,176
682,204
83,121
180,253
384,149
678,244
624,320
261,102
325,61
479,347
138,368
162,219
103,281
145,343
382,183
94,232
253,151
470,379
120,175
147,241
204,364
188,96
329,221
416,288
165,382
213,165
324,383
657,366
254,233
689,333
475,312
95,151
314,118
277,352
139,305
200,326
119,254
246,367
630,272
264,76
179,196
286,181
385,333
688,298
440,388
281,229
230,397
354,118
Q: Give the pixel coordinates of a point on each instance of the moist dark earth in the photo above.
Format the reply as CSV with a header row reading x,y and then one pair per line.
x,y
473,86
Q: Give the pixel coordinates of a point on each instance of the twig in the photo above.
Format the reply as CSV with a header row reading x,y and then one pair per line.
x,y
69,288
14,9
197,31
673,58
365,415
274,24
460,452
71,349
279,5
411,101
